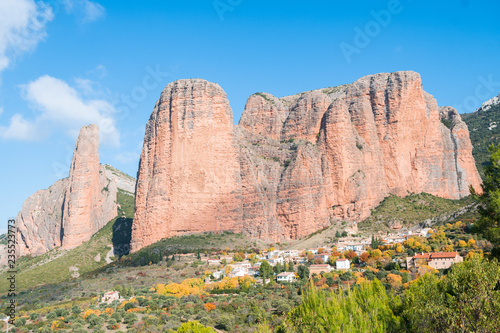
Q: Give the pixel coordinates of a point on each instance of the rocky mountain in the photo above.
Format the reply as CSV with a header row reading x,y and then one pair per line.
x,y
70,211
484,130
294,165
492,102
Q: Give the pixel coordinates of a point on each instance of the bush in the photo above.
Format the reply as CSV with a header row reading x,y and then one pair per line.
x,y
20,322
225,322
366,308
34,316
465,300
130,319
51,315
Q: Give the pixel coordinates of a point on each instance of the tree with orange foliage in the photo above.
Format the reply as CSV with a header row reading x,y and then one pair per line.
x,y
209,307
394,280
318,260
351,255
364,256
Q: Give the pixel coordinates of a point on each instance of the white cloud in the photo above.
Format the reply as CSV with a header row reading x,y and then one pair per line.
x,y
88,10
20,129
22,27
60,106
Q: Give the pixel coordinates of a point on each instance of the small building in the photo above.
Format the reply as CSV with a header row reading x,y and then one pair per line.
x,y
436,260
237,273
318,269
286,277
110,296
214,261
276,260
354,246
217,275
344,264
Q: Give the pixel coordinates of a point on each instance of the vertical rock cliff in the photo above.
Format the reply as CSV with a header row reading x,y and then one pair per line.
x,y
189,174
295,164
90,198
70,211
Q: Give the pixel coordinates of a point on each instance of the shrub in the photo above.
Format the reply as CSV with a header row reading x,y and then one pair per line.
x,y
20,322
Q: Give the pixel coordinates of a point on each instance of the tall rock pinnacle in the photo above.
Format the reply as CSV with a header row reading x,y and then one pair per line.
x,y
89,202
74,208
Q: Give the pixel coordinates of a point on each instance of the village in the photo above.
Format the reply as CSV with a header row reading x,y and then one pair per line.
x,y
350,251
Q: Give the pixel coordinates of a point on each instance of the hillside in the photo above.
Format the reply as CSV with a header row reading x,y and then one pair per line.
x,y
60,265
484,128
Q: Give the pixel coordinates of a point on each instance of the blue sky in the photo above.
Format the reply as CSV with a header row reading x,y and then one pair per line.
x,y
68,63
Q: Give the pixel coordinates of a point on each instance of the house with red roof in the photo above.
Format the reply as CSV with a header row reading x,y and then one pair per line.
x,y
436,260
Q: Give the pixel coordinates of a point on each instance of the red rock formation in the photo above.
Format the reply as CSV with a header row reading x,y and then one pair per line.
x,y
293,165
189,178
89,202
70,211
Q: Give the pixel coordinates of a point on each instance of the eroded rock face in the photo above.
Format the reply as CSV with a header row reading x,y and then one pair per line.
x,y
70,211
89,201
293,165
189,178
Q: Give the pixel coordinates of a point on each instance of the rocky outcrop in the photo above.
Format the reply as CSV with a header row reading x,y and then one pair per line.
x,y
70,211
188,179
90,198
297,164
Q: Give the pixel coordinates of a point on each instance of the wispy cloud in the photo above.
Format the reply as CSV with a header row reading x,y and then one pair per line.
x,y
87,10
22,27
61,107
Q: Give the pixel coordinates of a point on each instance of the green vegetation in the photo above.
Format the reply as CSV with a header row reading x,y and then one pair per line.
x,y
3,239
465,300
367,308
416,208
483,134
264,96
447,122
205,242
332,90
489,208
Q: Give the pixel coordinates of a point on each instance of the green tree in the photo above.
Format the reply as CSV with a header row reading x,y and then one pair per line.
x,y
194,327
365,309
465,300
303,272
265,271
489,208
375,243
278,268
337,234
76,309
291,266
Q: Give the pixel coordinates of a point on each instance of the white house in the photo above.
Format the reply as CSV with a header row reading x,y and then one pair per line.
x,y
213,261
110,296
286,277
343,264
354,246
277,260
217,275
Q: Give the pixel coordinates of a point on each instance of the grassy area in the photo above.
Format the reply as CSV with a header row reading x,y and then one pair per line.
x,y
483,133
413,209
